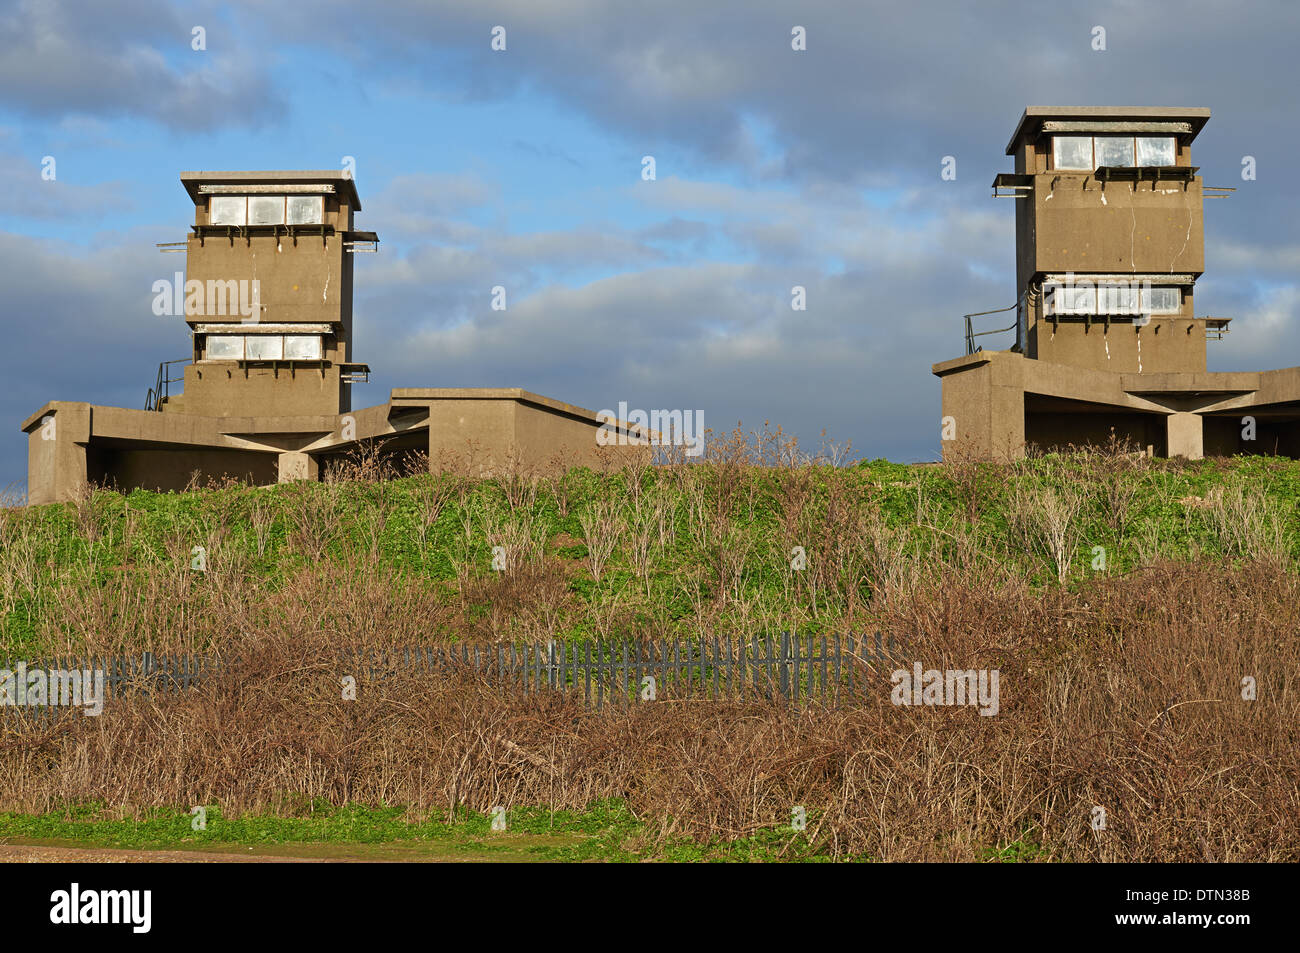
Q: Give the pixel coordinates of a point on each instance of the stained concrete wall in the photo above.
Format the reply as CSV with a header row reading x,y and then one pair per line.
x,y
1138,228
1166,345
56,451
985,400
232,389
307,280
486,435
302,282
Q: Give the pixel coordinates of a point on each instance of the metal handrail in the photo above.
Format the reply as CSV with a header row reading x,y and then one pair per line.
x,y
972,334
161,391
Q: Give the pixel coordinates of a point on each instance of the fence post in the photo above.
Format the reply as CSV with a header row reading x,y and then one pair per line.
x,y
783,666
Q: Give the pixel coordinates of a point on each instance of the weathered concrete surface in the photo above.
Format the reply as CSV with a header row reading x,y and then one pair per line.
x,y
1081,379
266,421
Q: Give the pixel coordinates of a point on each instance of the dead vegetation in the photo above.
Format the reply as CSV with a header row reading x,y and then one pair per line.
x,y
1125,696
1122,688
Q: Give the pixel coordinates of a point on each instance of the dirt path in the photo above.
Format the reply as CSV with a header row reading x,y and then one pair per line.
x,y
22,854
508,848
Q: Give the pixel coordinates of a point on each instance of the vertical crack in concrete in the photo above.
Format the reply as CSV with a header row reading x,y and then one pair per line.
x,y
1132,235
1188,237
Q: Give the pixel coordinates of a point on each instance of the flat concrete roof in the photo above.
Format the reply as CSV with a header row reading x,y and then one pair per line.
x,y
340,180
1031,120
401,395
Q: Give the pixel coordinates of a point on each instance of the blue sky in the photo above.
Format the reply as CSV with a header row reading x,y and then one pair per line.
x,y
522,168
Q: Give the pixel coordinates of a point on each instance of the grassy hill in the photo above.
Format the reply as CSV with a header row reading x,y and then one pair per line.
x,y
1142,614
653,552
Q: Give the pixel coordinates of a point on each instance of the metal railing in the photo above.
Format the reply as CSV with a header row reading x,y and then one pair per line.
x,y
972,334
161,391
835,669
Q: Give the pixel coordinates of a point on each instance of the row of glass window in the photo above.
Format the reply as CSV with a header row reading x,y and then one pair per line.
x,y
263,347
1124,298
1090,152
267,210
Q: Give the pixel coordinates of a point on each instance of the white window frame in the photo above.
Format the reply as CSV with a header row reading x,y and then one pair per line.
x,y
1056,159
1056,303
316,338
207,347
1175,309
243,340
267,199
319,201
1095,151
212,209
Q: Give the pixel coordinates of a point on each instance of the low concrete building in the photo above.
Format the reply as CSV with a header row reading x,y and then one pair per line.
x,y
1109,247
266,391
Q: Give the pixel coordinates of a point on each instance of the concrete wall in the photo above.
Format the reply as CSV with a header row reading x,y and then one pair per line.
x,y
1140,227
985,400
1166,345
56,451
559,441
483,436
303,282
307,281
232,389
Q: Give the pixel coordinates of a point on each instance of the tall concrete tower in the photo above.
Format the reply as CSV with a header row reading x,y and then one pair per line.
x,y
1109,247
269,294
1110,237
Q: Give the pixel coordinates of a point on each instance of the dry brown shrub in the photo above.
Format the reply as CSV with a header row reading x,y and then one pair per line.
x,y
1124,695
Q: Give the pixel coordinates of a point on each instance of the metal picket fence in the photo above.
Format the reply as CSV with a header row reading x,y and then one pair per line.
x,y
146,673
789,667
832,669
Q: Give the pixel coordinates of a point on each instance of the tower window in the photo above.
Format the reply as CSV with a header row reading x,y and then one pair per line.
x,y
1114,298
1117,299
302,347
1114,150
224,347
1157,150
306,209
1089,152
1074,299
267,210
228,210
1072,152
263,347
1162,300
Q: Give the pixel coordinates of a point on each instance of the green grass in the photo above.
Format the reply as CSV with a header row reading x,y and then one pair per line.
x,y
605,831
115,541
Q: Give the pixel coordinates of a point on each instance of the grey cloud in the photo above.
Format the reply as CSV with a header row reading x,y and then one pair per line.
x,y
59,58
39,198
